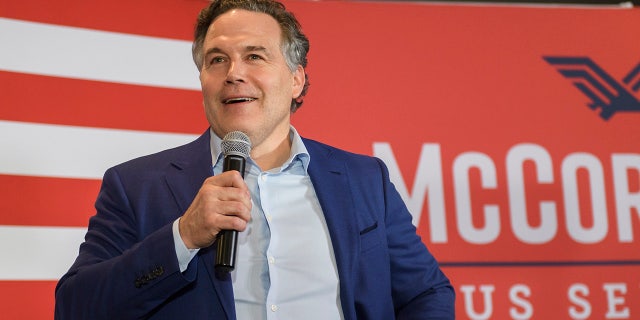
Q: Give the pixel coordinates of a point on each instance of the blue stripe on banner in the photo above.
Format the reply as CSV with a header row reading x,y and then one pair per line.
x,y
510,264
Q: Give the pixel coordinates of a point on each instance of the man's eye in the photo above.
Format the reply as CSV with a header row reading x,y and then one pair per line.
x,y
215,60
254,57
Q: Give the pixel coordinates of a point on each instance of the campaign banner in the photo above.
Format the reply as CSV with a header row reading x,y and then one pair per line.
x,y
512,132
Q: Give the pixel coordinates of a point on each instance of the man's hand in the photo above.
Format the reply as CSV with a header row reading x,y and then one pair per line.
x,y
222,203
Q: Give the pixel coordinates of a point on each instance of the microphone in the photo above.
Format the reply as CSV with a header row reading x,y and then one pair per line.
x,y
235,147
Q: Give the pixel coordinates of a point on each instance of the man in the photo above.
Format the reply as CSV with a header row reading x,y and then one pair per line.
x,y
323,233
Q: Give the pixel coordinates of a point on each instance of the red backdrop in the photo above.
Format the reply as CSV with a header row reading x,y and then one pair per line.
x,y
529,198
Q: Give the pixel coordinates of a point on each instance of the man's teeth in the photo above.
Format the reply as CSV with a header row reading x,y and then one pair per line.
x,y
238,100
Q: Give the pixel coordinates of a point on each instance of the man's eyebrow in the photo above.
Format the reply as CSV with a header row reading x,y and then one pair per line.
x,y
255,48
246,49
213,50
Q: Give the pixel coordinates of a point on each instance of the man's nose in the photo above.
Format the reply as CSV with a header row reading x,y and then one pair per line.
x,y
235,73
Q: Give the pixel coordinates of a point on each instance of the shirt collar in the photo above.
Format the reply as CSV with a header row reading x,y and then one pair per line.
x,y
298,150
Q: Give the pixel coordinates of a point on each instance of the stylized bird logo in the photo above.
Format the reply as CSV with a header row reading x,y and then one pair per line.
x,y
605,92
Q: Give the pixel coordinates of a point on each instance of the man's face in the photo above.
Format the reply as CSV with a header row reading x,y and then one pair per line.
x,y
246,84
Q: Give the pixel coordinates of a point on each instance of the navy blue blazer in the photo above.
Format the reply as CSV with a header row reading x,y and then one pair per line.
x,y
127,266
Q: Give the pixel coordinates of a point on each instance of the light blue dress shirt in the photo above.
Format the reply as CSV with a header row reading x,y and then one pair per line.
x,y
285,268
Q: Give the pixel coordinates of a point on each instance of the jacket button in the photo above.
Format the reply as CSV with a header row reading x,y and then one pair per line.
x,y
158,271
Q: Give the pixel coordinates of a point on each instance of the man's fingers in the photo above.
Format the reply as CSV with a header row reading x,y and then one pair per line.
x,y
228,179
222,203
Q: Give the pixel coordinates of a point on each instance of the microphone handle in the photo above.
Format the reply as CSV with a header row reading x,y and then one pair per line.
x,y
228,239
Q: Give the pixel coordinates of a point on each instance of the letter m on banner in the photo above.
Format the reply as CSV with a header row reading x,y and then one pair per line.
x,y
427,181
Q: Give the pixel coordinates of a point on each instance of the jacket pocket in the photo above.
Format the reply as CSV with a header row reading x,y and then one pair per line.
x,y
369,238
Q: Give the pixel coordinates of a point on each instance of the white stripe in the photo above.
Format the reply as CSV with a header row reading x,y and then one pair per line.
x,y
38,253
69,52
75,152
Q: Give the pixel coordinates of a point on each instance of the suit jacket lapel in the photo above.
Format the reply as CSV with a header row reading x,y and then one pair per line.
x,y
185,179
188,172
331,183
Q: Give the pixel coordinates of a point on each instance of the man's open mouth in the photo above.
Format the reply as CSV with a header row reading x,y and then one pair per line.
x,y
238,100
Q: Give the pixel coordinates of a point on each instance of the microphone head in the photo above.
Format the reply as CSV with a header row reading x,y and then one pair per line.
x,y
236,143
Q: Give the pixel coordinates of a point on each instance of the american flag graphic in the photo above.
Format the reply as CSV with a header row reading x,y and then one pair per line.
x,y
84,85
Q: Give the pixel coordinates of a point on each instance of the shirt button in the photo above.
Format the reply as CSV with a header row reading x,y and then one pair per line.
x,y
263,177
274,308
272,260
269,217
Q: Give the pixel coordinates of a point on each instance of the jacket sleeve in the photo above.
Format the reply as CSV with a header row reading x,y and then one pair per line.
x,y
121,272
420,289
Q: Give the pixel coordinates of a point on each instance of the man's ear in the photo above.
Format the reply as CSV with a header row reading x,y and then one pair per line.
x,y
298,82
